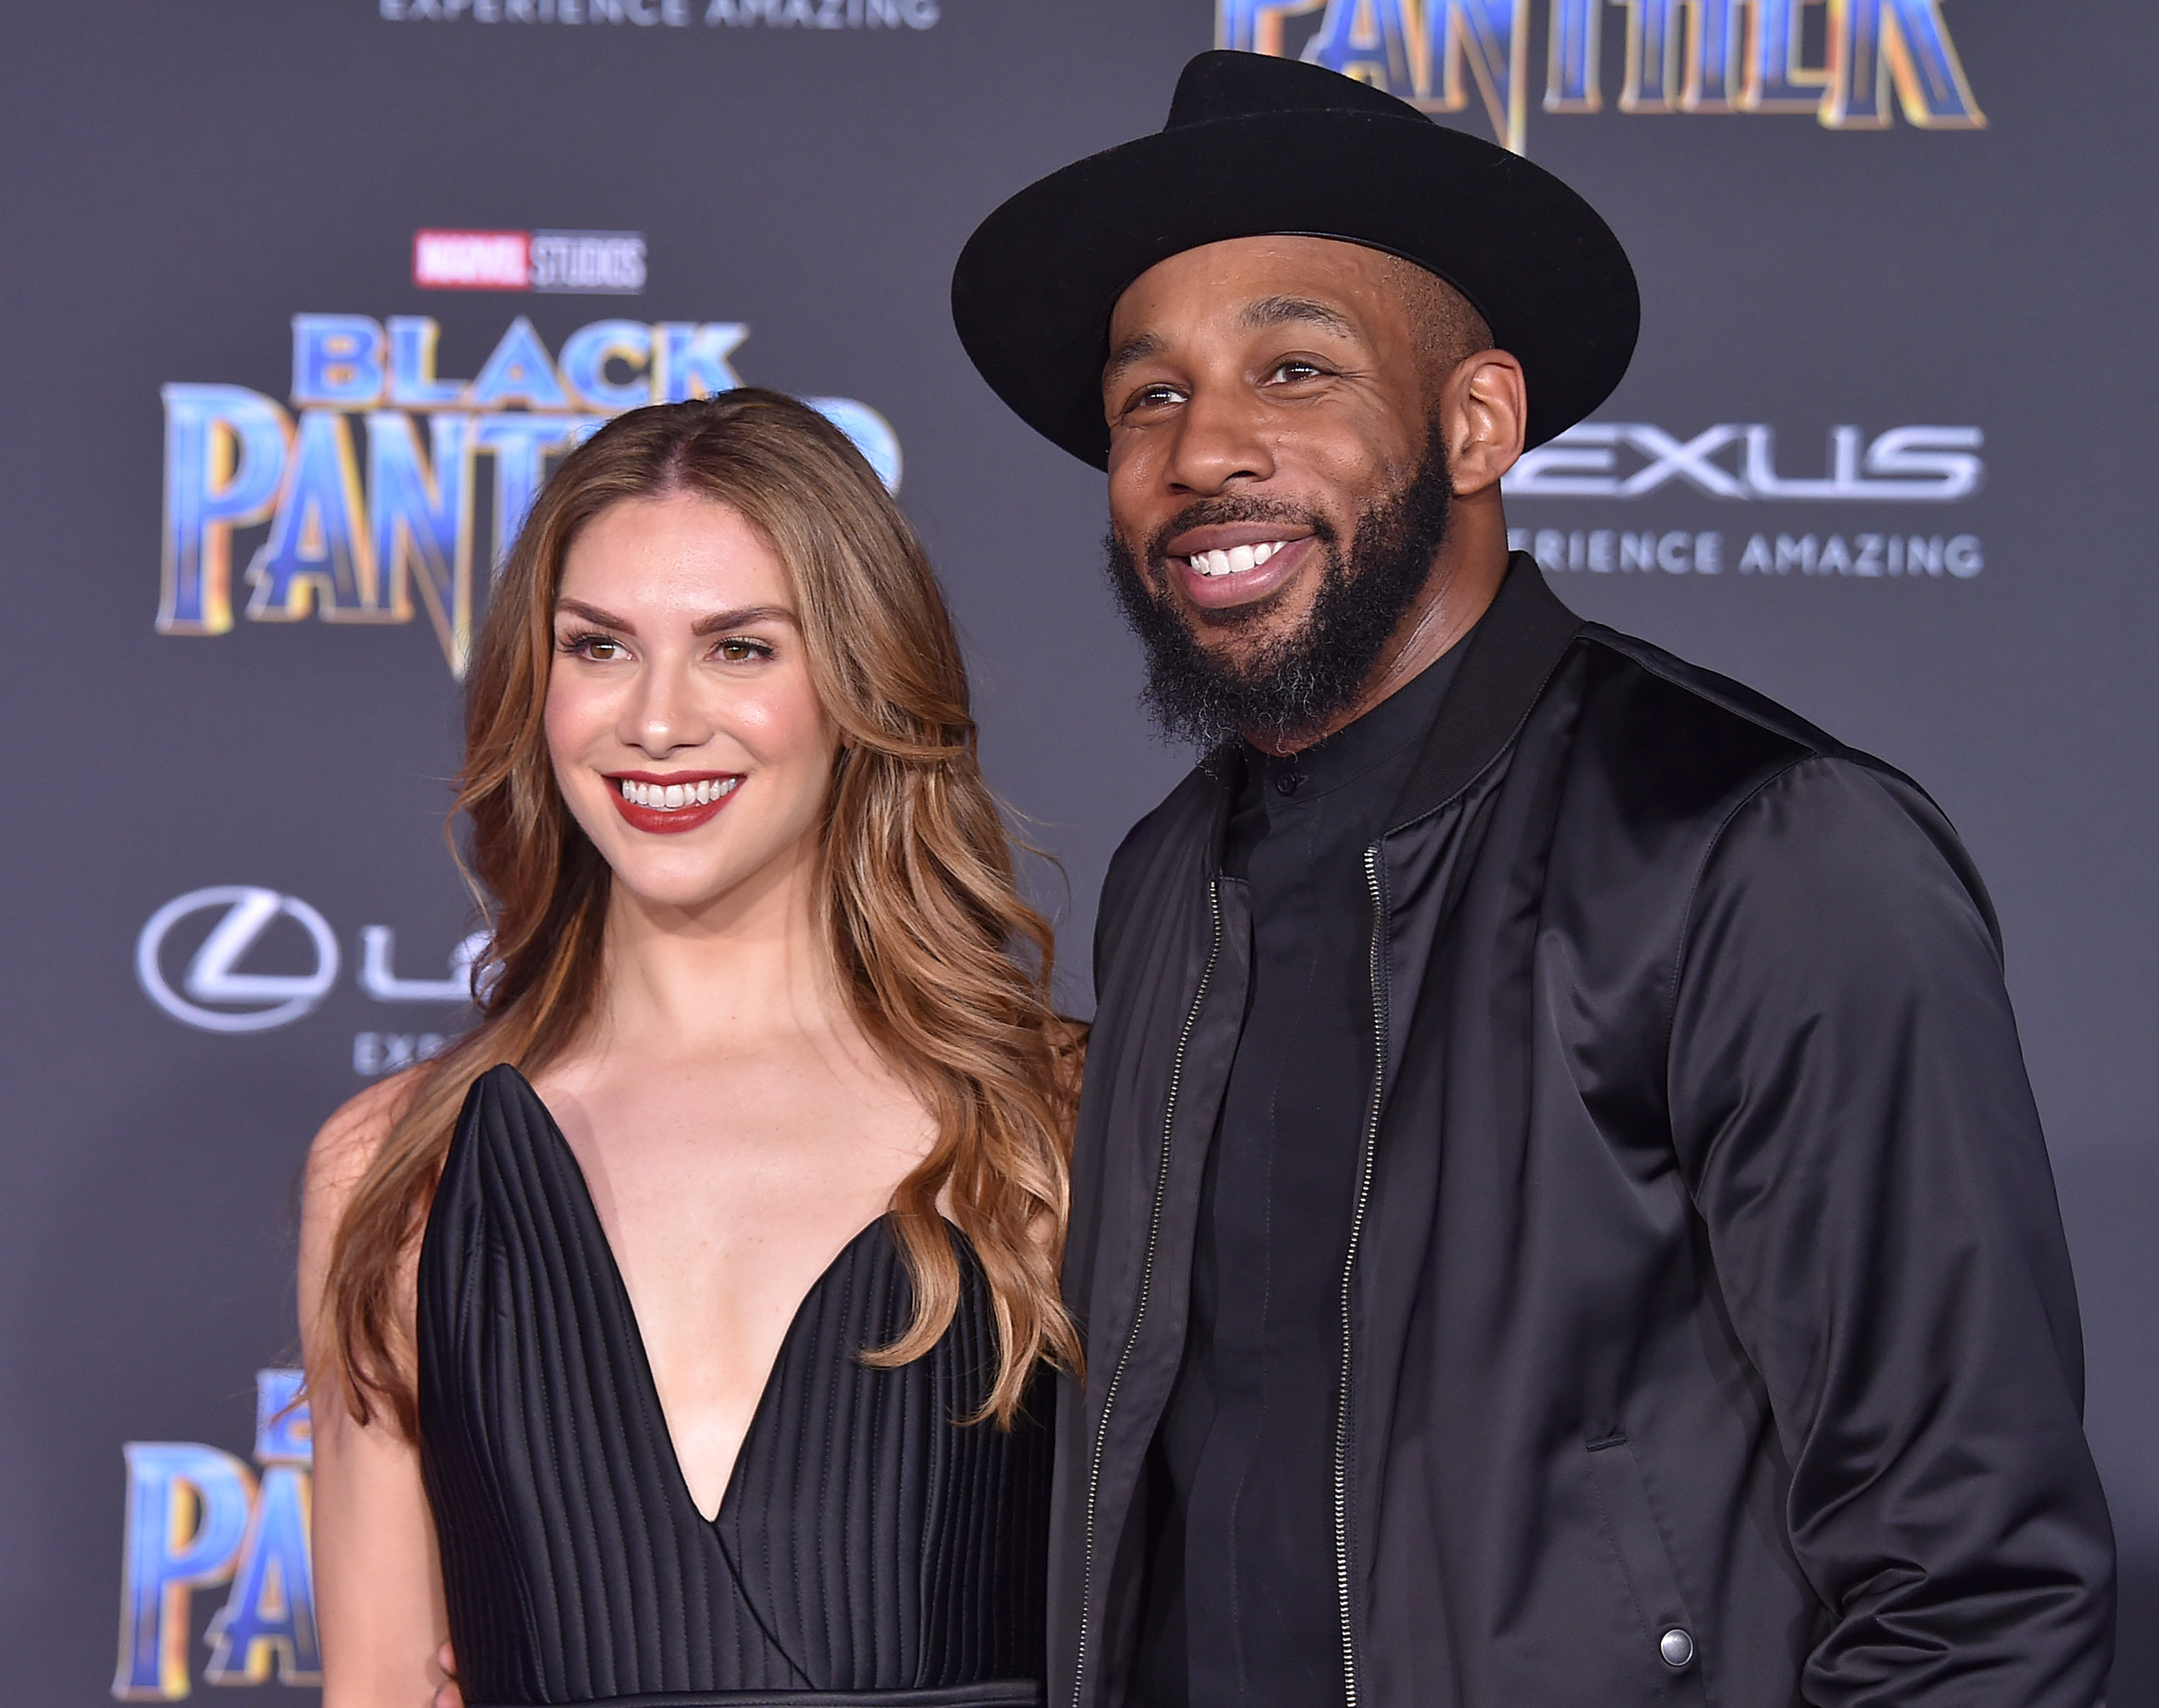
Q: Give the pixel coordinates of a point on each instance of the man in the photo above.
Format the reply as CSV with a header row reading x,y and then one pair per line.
x,y
1558,1215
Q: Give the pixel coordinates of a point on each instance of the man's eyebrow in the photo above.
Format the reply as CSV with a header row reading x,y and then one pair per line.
x,y
1257,316
1282,311
1136,348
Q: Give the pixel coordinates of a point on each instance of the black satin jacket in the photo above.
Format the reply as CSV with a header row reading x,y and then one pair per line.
x,y
1709,1336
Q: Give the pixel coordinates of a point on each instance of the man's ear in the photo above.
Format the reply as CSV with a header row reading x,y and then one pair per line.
x,y
1483,412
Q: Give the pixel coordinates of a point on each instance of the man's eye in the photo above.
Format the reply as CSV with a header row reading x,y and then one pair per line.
x,y
1298,370
1155,397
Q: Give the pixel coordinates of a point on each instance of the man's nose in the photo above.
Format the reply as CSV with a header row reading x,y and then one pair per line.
x,y
1218,442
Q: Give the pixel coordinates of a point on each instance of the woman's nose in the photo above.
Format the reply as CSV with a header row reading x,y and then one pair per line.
x,y
664,713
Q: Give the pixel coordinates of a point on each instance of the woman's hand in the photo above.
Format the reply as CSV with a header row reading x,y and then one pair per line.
x,y
449,1696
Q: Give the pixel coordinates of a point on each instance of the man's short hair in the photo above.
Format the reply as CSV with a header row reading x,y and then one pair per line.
x,y
1447,328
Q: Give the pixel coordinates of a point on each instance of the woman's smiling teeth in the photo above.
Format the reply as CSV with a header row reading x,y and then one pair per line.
x,y
667,796
1237,560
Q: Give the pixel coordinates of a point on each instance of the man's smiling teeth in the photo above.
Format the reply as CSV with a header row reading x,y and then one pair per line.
x,y
1237,560
667,796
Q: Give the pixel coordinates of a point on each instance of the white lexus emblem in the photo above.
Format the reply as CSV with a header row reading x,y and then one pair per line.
x,y
274,998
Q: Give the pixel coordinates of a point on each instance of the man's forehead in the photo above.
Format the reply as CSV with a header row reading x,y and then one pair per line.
x,y
1234,275
1252,284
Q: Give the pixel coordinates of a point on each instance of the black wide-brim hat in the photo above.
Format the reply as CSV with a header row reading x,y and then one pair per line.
x,y
1258,147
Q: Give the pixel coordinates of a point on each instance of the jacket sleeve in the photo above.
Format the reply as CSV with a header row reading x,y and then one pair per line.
x,y
1852,1113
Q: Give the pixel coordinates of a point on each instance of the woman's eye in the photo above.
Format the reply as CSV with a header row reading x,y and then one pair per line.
x,y
742,652
600,648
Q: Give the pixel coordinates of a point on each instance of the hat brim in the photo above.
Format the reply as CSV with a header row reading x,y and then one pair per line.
x,y
1033,289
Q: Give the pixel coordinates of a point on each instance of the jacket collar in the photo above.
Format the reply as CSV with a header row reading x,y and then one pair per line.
x,y
1512,652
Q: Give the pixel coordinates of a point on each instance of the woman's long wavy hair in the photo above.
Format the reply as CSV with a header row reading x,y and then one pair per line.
x,y
946,967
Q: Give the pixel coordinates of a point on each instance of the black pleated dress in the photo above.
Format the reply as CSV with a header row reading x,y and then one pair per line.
x,y
869,1549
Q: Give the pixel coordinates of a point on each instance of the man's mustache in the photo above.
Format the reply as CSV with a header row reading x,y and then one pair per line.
x,y
1216,512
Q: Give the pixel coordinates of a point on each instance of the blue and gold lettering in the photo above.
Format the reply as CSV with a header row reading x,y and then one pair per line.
x,y
1713,76
871,433
187,1511
284,1433
1838,59
690,360
319,557
520,371
521,444
1427,51
1873,43
225,460
1775,77
353,550
420,516
269,1618
1572,79
589,350
1656,30
412,381
337,361
1490,40
1255,26
1682,56
1374,41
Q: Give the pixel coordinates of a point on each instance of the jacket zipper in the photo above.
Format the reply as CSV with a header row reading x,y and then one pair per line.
x,y
1146,1288
1365,1161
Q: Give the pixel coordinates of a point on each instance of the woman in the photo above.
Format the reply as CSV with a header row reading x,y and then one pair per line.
x,y
676,1333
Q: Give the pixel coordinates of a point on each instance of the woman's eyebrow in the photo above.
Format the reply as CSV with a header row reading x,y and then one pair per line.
x,y
594,615
705,625
742,618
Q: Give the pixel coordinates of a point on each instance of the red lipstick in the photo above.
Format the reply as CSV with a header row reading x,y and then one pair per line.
x,y
665,821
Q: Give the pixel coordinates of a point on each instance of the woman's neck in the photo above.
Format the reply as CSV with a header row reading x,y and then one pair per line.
x,y
754,961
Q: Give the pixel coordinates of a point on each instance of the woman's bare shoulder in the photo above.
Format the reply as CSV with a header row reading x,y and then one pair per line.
x,y
351,1138
337,1163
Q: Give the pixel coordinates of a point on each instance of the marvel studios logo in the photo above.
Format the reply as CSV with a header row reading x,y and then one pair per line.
x,y
585,263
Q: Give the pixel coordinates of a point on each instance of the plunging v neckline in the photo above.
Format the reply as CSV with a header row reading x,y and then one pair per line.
x,y
648,1385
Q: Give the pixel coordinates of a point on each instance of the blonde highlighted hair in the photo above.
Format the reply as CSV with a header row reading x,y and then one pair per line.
x,y
946,968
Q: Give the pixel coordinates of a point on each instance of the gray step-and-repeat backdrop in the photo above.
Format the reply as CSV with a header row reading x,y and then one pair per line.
x,y
302,299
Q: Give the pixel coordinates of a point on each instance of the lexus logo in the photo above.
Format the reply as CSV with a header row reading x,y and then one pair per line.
x,y
259,1001
1594,460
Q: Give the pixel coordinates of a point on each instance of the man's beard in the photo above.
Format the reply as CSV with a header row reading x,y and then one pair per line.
x,y
1292,685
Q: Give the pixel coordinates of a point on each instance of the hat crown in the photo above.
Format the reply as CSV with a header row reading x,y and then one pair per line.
x,y
1227,85
1258,147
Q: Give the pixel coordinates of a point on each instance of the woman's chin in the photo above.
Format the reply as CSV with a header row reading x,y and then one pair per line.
x,y
691,880
706,866
676,891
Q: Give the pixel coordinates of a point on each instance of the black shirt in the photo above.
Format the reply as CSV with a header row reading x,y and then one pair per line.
x,y
1241,1604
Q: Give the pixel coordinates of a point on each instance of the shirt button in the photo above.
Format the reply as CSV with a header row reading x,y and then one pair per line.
x,y
1676,1647
1288,783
